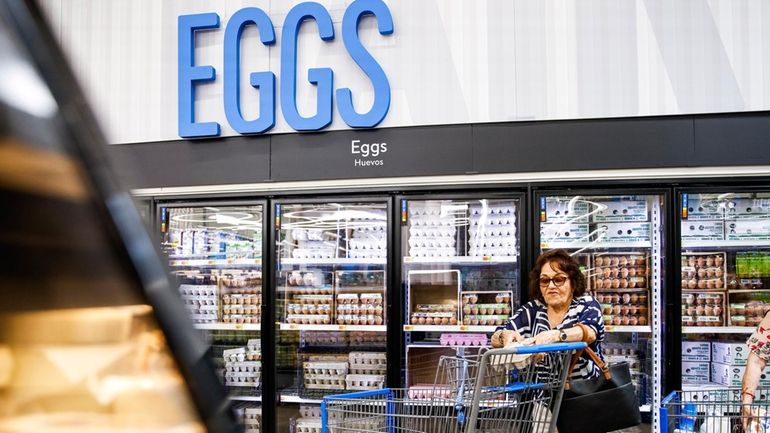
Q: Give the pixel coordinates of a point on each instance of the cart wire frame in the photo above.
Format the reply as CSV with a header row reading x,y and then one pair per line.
x,y
712,411
490,392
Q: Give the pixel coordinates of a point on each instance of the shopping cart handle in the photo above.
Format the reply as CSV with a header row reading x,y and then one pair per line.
x,y
538,348
669,398
514,387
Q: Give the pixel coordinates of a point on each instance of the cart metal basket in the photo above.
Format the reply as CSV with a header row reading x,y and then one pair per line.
x,y
714,411
497,391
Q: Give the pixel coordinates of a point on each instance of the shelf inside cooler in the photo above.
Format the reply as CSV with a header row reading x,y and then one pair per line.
x,y
245,398
448,328
256,262
333,261
594,245
229,326
629,329
725,244
461,260
308,327
718,329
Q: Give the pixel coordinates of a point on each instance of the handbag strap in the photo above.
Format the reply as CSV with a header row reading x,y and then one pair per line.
x,y
591,354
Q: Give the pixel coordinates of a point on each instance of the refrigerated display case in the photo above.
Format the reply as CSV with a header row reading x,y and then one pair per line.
x,y
331,303
619,241
725,282
460,272
215,252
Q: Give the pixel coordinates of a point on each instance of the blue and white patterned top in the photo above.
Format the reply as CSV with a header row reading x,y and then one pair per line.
x,y
532,319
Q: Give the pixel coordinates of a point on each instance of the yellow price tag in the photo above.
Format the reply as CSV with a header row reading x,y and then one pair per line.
x,y
407,327
239,326
342,327
464,328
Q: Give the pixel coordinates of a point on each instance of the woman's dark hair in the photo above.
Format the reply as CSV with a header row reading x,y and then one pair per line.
x,y
562,261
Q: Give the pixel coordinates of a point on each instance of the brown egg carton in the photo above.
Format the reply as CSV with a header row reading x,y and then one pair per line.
x,y
710,321
704,271
625,320
628,270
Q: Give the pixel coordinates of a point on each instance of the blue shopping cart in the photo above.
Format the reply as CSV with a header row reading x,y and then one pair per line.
x,y
499,390
714,411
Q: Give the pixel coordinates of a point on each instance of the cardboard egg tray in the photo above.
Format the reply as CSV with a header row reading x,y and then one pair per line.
x,y
444,318
324,309
463,339
697,305
307,411
310,425
324,381
313,299
487,320
360,309
367,358
241,309
744,310
471,298
309,319
368,369
704,271
242,379
325,368
484,309
241,299
353,319
238,318
250,279
364,382
243,367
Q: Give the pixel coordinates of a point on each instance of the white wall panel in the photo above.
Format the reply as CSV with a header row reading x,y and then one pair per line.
x,y
447,61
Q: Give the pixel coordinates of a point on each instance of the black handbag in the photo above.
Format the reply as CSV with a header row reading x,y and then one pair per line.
x,y
600,404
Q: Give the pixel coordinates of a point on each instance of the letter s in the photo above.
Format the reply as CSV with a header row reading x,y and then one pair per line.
x,y
357,10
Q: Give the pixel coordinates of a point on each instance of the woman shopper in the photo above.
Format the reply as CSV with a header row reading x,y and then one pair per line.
x,y
557,288
759,354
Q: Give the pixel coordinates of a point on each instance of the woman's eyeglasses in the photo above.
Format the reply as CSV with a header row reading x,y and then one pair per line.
x,y
558,280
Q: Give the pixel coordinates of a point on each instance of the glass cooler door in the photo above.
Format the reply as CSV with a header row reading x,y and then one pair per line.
x,y
619,242
461,278
725,280
331,304
215,253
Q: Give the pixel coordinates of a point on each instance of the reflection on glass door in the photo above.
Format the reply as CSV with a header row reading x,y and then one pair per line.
x,y
330,304
618,240
725,277
461,275
215,253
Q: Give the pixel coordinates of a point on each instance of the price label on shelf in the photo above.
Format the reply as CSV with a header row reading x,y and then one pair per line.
x,y
486,258
239,326
464,328
407,328
342,327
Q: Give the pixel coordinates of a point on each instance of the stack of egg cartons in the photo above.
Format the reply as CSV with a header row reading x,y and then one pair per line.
x,y
367,371
369,238
492,230
432,233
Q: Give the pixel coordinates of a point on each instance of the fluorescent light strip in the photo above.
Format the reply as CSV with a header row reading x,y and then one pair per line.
x,y
468,179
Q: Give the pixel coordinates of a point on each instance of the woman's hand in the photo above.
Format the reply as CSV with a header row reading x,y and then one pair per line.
x,y
546,337
504,337
746,416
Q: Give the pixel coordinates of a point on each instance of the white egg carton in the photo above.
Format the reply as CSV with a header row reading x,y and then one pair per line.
x,y
308,308
316,381
368,369
371,298
244,367
306,253
325,368
308,425
364,382
432,252
367,254
418,232
367,359
242,379
367,244
352,319
428,392
307,411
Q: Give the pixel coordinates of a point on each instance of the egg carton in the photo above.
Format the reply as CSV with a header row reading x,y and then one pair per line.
x,y
325,383
307,253
244,367
368,369
231,318
364,382
625,320
427,244
304,279
327,368
367,254
352,319
368,358
243,379
371,298
370,309
428,392
309,319
203,291
308,308
463,339
308,411
367,244
251,310
308,425
487,309
432,252
241,299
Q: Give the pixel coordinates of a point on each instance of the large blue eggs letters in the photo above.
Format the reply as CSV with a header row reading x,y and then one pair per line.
x,y
323,78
